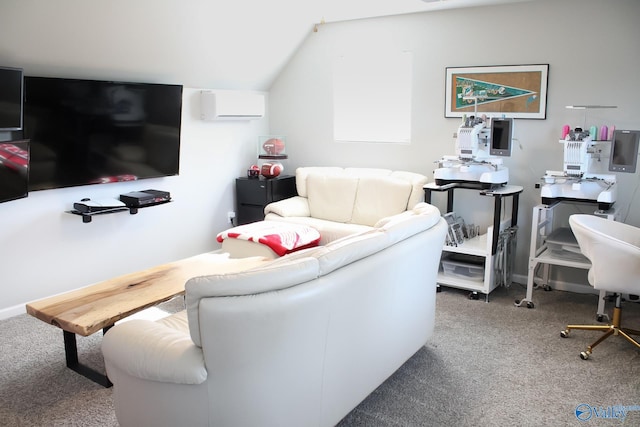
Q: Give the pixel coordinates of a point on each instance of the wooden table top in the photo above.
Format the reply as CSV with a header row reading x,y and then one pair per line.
x,y
92,308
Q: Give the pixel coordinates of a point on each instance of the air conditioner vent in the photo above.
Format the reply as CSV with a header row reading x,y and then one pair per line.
x,y
231,105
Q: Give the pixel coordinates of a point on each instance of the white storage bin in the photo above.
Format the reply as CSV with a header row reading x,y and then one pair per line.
x,y
463,270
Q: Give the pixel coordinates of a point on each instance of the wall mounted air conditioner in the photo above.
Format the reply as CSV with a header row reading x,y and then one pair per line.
x,y
231,105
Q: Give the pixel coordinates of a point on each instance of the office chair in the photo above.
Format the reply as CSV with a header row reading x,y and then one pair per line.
x,y
614,251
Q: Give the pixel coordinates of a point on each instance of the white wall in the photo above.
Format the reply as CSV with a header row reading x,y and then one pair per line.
x,y
590,45
46,251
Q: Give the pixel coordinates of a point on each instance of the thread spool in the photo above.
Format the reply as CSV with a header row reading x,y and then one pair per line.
x,y
565,131
604,133
593,133
612,129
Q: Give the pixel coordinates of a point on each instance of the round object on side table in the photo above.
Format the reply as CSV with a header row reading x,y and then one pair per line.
x,y
253,171
271,169
273,146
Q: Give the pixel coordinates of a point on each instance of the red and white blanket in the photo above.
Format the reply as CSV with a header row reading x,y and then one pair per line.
x,y
281,237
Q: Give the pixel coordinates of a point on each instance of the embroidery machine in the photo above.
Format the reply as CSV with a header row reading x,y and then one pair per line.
x,y
477,162
584,176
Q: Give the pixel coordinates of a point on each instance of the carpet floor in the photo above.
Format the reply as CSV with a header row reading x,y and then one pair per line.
x,y
487,364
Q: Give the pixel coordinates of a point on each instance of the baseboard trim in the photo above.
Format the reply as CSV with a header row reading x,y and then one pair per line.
x,y
16,310
559,285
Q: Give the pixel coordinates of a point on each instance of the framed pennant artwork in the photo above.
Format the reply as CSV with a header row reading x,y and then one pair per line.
x,y
517,91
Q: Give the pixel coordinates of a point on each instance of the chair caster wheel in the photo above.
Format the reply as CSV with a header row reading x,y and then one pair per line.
x,y
584,355
474,296
600,318
518,303
565,333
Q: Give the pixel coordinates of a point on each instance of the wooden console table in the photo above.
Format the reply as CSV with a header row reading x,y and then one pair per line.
x,y
99,306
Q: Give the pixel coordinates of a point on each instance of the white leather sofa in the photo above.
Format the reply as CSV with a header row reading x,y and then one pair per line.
x,y
342,201
299,341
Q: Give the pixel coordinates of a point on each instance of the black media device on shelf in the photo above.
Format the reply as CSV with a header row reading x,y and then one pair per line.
x,y
141,199
95,132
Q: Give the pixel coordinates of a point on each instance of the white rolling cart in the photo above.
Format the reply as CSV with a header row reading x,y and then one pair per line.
x,y
479,276
546,251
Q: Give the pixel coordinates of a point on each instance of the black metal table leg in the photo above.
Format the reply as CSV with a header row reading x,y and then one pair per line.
x,y
514,209
71,355
497,212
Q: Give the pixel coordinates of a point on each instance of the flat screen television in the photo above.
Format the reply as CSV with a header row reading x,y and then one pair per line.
x,y
11,86
624,151
14,170
94,132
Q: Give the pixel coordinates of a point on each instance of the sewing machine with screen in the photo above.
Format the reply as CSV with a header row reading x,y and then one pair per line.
x,y
479,151
586,163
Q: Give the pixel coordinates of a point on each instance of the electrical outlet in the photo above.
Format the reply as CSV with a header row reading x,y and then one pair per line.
x,y
231,215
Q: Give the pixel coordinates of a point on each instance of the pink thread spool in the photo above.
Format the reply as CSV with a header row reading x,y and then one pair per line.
x,y
565,131
612,129
604,133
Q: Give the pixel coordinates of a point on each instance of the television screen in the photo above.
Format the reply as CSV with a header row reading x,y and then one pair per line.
x,y
93,132
14,170
10,98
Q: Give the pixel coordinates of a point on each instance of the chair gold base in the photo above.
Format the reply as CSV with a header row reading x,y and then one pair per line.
x,y
613,329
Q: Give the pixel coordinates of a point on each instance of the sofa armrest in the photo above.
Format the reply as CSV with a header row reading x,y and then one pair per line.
x,y
154,351
293,206
278,274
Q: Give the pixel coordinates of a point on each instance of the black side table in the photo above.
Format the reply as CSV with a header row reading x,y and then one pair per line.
x,y
253,194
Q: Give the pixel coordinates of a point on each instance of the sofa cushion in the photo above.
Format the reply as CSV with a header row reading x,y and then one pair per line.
x,y
157,351
378,197
360,172
344,251
331,197
237,248
341,252
281,237
417,182
176,321
296,206
271,277
401,226
327,194
304,253
303,173
329,230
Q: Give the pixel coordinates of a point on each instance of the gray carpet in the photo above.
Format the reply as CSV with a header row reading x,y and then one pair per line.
x,y
487,365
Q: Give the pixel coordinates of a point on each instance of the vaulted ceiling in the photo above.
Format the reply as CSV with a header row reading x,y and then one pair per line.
x,y
273,30
241,44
